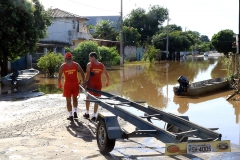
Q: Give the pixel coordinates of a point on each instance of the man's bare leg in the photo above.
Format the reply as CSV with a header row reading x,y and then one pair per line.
x,y
75,104
86,115
95,109
69,107
69,104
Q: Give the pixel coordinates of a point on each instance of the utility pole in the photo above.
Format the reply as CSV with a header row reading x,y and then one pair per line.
x,y
167,38
121,37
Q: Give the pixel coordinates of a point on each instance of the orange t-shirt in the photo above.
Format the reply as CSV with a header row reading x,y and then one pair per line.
x,y
70,72
96,71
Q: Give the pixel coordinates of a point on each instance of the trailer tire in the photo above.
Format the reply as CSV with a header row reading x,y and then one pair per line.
x,y
105,144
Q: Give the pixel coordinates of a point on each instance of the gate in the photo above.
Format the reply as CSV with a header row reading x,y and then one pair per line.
x,y
19,64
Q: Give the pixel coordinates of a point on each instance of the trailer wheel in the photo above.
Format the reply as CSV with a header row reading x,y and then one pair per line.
x,y
105,144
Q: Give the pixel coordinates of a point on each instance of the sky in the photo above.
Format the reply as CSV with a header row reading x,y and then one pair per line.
x,y
205,16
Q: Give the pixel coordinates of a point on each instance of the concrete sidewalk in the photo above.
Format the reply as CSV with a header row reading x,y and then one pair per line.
x,y
37,128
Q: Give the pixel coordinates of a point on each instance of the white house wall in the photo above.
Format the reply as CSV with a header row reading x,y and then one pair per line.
x,y
59,30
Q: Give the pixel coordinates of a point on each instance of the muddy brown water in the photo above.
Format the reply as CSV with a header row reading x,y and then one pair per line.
x,y
154,83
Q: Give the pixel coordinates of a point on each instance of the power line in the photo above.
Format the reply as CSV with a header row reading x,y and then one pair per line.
x,y
94,7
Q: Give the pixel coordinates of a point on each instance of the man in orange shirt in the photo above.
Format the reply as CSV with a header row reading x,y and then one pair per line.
x,y
93,80
70,70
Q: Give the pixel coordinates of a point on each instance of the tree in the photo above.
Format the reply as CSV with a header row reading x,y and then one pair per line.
x,y
204,38
109,56
222,41
23,23
171,27
105,30
81,52
131,36
50,62
147,23
178,41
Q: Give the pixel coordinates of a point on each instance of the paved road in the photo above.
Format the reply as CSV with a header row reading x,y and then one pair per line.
x,y
37,129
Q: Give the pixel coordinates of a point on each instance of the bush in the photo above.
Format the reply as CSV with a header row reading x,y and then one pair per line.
x,y
151,53
50,62
109,56
67,49
82,51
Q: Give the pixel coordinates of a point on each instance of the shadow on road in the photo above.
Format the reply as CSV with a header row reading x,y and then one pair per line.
x,y
78,130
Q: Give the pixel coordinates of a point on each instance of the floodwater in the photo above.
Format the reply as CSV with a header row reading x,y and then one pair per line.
x,y
154,83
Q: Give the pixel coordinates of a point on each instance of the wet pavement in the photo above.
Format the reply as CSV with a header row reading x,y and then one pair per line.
x,y
37,129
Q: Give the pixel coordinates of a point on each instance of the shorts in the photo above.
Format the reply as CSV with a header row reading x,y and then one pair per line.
x,y
71,89
97,86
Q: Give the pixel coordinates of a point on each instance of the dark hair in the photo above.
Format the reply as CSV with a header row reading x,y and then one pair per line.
x,y
93,54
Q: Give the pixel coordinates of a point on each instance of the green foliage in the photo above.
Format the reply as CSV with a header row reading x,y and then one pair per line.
x,y
67,49
150,53
50,62
109,56
147,23
204,38
178,41
81,52
203,47
105,30
23,23
171,27
131,36
222,41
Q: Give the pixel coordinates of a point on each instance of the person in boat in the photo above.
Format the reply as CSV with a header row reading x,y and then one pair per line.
x,y
93,80
183,84
70,70
14,77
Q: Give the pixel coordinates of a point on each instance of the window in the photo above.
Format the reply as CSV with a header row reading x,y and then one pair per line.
x,y
74,25
73,43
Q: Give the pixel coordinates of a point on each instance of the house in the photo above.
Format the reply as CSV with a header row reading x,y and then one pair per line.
x,y
93,20
68,29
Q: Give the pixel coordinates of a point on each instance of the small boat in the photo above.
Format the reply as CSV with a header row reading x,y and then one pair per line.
x,y
23,77
204,87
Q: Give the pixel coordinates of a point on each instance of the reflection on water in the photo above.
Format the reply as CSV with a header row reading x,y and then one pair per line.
x,y
154,83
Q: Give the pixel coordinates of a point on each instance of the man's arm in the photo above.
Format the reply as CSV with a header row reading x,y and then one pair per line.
x,y
87,72
60,76
106,75
81,72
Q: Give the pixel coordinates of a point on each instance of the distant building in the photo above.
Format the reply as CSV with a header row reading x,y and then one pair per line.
x,y
93,20
67,29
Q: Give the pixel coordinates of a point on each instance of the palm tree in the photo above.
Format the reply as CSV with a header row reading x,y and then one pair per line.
x,y
105,30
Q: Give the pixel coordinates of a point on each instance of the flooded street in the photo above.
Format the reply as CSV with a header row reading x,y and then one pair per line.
x,y
154,83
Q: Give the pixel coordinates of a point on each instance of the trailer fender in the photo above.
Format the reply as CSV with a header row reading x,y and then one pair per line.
x,y
112,125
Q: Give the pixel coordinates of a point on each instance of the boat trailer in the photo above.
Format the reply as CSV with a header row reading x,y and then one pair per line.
x,y
180,135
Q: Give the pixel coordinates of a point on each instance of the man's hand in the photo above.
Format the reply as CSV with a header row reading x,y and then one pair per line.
x,y
106,83
60,85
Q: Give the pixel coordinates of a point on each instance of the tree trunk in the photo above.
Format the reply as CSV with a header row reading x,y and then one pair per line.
x,y
4,66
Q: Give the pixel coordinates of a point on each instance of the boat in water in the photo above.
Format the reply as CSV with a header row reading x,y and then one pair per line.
x,y
204,87
22,77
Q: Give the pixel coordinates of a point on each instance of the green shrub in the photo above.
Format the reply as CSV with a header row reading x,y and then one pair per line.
x,y
81,52
151,53
109,56
50,62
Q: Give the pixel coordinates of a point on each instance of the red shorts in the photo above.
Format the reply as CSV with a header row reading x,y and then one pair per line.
x,y
71,89
95,85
